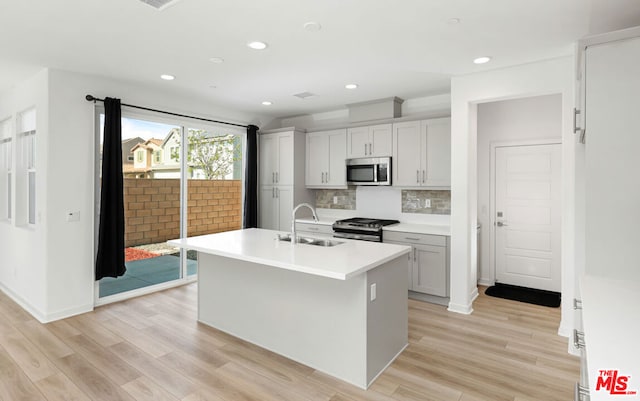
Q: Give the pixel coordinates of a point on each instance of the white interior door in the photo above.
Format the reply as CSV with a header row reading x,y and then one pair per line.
x,y
527,216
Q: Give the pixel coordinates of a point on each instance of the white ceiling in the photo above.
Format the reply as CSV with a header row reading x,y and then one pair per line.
x,y
404,48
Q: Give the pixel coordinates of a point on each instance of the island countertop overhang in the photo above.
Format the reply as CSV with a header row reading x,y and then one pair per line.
x,y
341,262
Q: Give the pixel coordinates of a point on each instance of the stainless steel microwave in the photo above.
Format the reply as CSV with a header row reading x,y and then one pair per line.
x,y
369,171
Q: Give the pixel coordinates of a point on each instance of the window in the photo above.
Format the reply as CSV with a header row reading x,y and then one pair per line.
x,y
29,156
5,169
130,158
140,156
157,156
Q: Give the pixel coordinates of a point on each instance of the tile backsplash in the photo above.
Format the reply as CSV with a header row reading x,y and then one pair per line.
x,y
416,202
336,199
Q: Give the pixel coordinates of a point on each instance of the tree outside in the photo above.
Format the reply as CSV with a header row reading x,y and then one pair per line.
x,y
212,156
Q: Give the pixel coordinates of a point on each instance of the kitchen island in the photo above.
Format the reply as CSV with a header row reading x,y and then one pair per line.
x,y
341,309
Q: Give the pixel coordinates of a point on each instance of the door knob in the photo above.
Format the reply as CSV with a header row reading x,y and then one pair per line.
x,y
500,224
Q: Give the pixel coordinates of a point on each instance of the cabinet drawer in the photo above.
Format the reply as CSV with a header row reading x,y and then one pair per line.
x,y
413,238
314,228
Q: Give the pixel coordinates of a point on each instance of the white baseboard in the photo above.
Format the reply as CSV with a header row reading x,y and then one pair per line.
x,y
68,313
38,314
462,309
24,304
474,294
486,282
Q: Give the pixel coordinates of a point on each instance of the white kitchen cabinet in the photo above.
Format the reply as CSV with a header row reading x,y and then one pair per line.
x,y
281,173
276,158
428,261
370,141
325,159
422,153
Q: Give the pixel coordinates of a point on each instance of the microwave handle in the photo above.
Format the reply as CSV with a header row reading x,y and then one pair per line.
x,y
375,173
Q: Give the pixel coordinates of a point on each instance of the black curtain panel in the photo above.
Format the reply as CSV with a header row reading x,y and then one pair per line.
x,y
251,179
110,258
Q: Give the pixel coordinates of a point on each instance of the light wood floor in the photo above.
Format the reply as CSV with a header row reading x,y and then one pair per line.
x,y
152,348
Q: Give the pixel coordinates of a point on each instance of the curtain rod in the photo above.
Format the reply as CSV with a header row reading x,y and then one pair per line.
x,y
94,99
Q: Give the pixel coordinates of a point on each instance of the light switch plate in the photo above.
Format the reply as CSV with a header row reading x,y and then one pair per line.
x,y
373,292
427,203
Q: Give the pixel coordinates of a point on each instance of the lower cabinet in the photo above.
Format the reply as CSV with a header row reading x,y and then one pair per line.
x,y
276,204
428,261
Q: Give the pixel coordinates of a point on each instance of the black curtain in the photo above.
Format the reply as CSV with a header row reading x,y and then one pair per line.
x,y
251,179
110,258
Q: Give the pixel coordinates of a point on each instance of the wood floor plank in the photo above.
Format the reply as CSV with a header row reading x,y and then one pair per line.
x,y
45,340
145,389
60,388
14,383
91,380
30,359
103,359
152,347
171,380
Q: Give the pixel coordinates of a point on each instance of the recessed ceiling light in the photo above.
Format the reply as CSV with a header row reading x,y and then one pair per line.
x,y
312,26
453,21
256,45
266,103
482,60
216,60
351,86
167,77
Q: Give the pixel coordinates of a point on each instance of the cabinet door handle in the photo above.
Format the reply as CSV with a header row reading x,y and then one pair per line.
x,y
277,192
577,304
581,393
578,339
273,178
424,176
414,254
418,176
273,192
412,239
328,177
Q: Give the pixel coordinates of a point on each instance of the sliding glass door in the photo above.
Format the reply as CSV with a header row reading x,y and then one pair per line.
x,y
172,190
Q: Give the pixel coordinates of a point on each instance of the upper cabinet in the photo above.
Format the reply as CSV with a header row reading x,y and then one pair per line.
x,y
422,153
370,141
281,172
326,154
276,158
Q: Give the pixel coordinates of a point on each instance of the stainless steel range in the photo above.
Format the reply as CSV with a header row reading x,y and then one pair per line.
x,y
361,228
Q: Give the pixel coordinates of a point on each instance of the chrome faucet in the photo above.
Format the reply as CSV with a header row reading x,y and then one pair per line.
x,y
294,237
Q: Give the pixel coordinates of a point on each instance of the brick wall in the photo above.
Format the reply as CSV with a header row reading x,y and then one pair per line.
x,y
152,208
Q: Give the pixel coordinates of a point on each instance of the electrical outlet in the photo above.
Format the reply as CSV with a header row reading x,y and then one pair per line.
x,y
373,292
335,200
427,203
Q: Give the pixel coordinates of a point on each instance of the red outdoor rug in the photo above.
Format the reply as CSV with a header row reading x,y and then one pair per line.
x,y
137,254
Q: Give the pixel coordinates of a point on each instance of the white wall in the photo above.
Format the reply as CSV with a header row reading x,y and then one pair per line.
x,y
23,249
51,268
504,121
540,78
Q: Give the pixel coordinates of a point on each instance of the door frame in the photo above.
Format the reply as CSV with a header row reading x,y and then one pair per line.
x,y
492,194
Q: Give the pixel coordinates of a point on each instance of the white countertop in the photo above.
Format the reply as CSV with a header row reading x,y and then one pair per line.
x,y
341,262
610,311
433,229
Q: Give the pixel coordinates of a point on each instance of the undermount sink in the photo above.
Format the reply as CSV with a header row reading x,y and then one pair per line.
x,y
310,241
